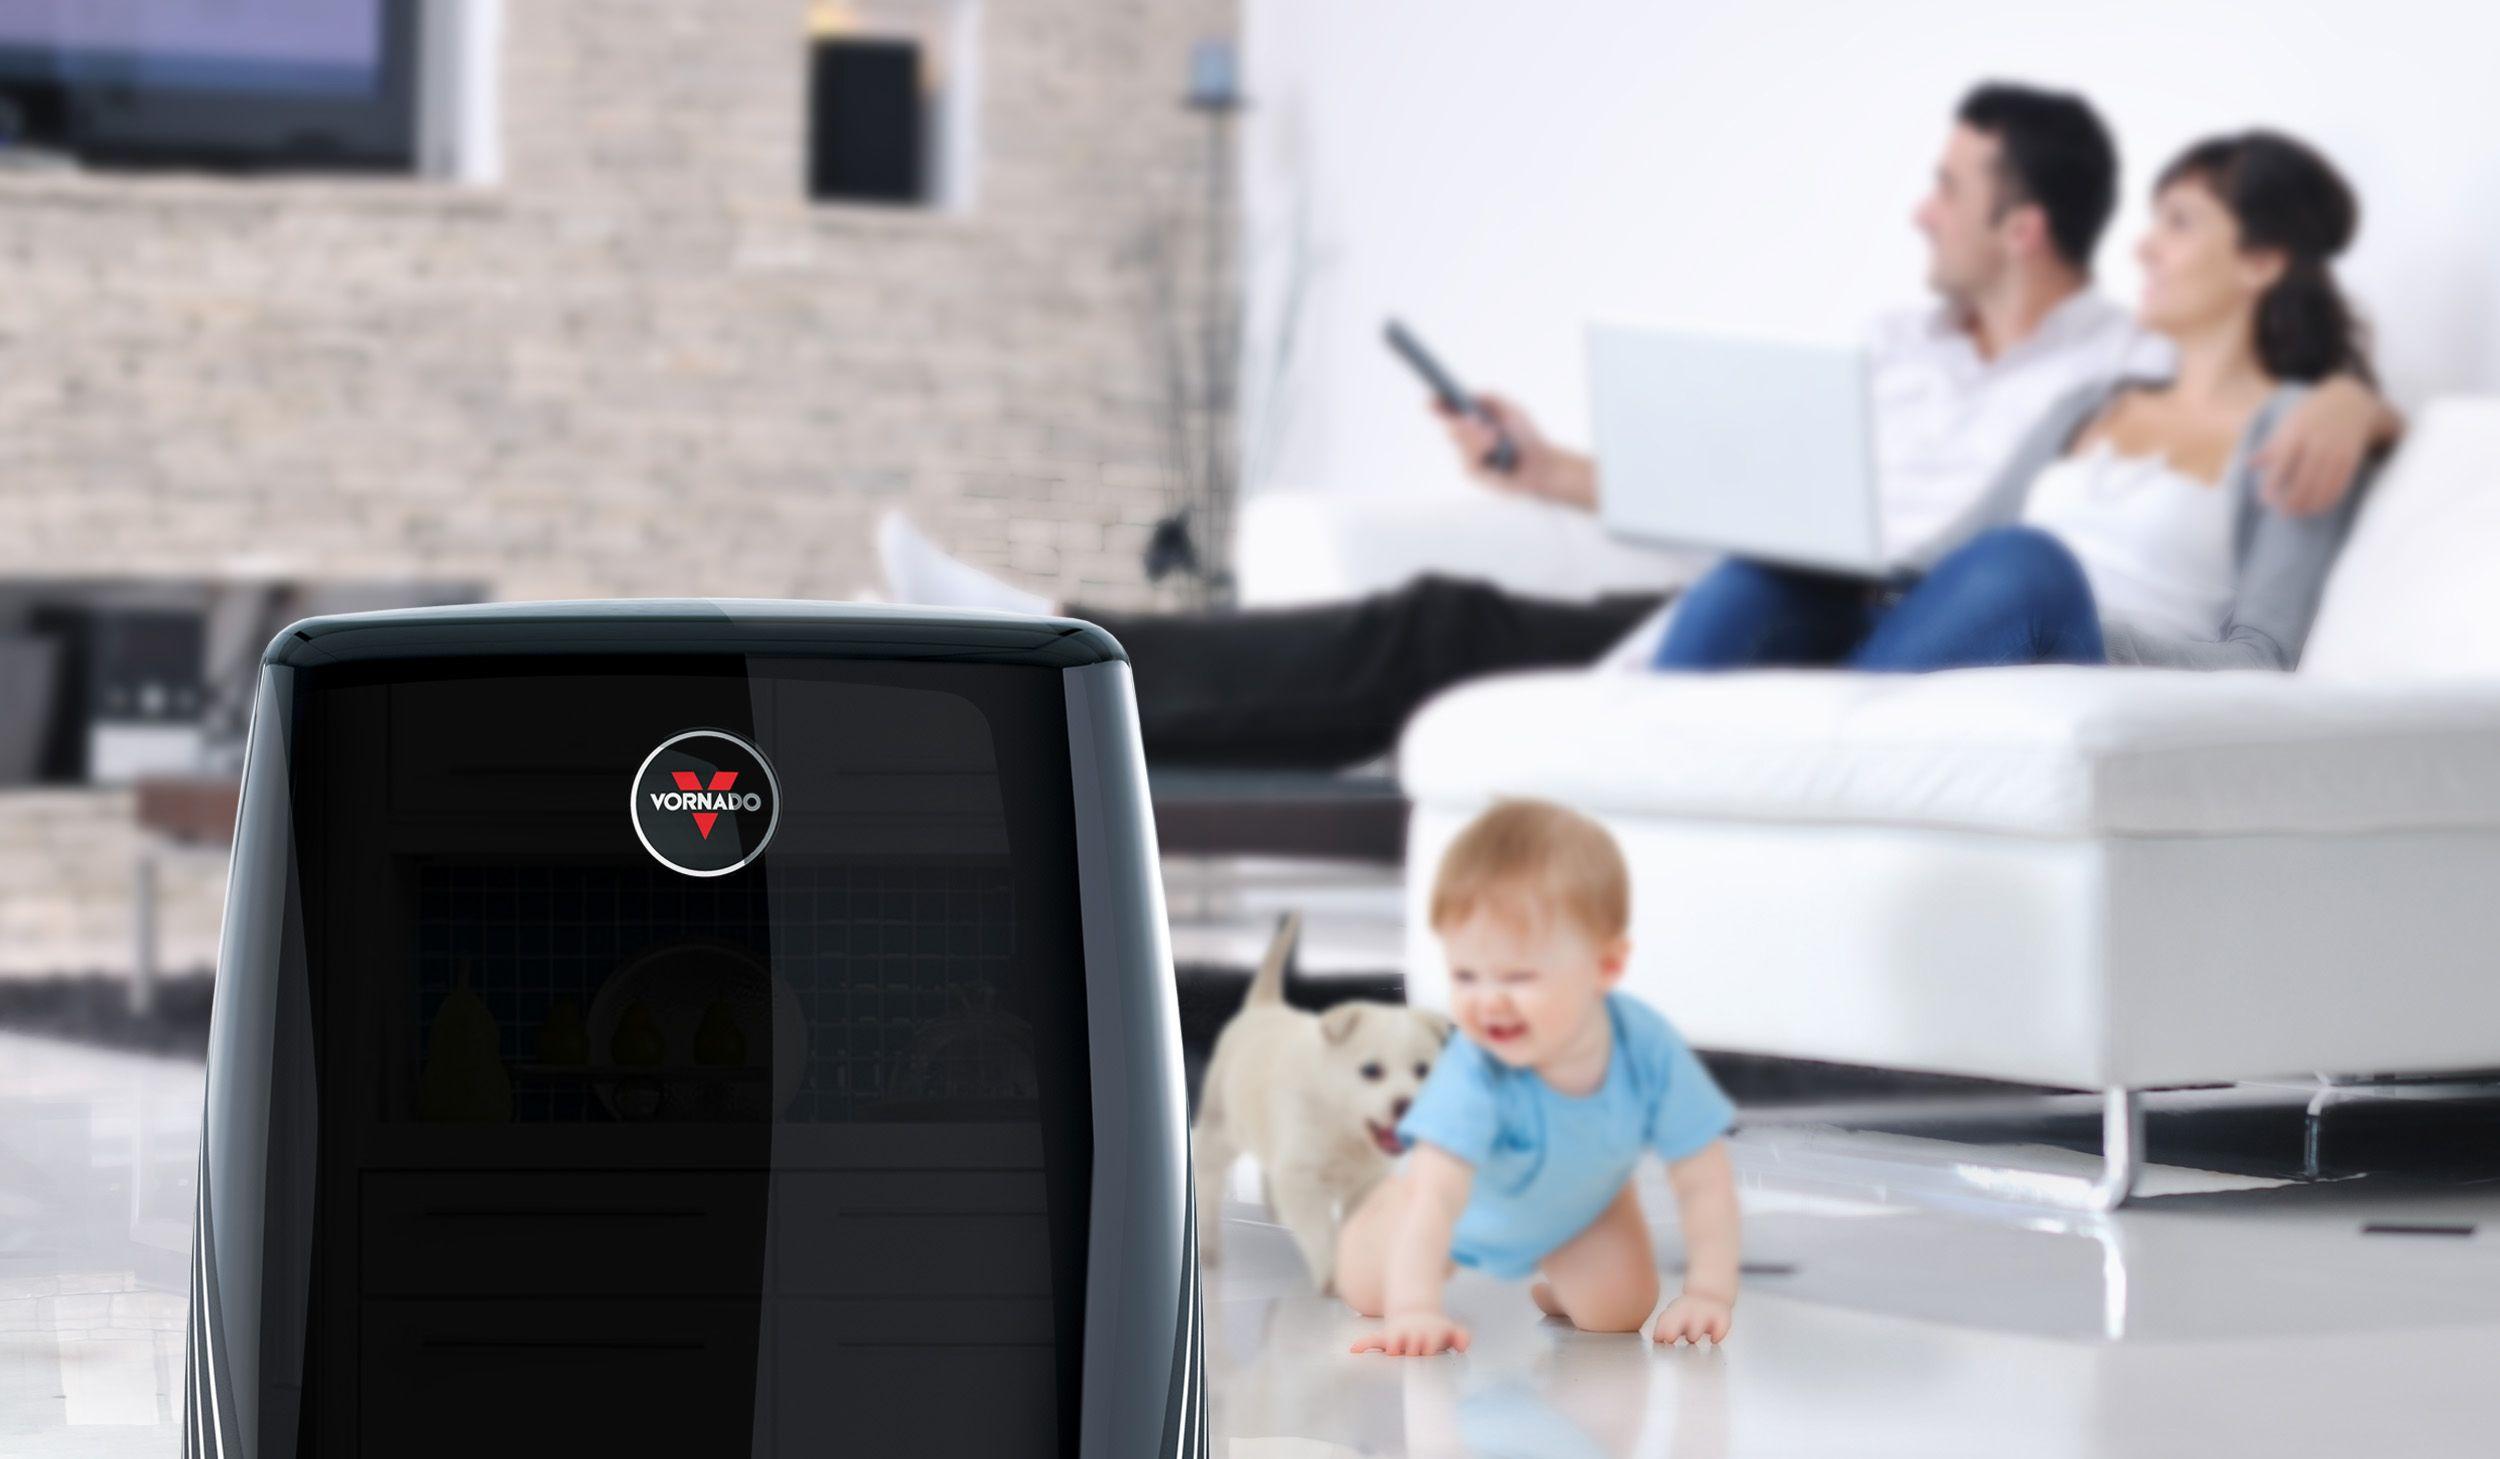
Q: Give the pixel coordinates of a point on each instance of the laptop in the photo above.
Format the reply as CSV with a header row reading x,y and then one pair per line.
x,y
1752,446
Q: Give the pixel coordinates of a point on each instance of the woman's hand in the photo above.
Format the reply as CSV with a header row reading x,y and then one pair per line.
x,y
1692,1317
1544,470
1414,1335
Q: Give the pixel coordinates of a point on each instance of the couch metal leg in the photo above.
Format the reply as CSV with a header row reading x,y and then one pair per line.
x,y
2122,1148
1896,1165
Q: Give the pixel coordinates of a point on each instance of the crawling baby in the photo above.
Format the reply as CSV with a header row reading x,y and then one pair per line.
x,y
1526,1135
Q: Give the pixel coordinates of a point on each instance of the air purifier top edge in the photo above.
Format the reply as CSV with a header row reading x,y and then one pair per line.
x,y
696,626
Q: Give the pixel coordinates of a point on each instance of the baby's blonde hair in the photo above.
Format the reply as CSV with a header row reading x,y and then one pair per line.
x,y
1527,855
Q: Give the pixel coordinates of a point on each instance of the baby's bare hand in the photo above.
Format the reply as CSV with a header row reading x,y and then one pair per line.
x,y
1691,1318
1415,1335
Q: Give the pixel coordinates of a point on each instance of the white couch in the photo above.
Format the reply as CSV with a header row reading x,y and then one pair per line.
x,y
2097,878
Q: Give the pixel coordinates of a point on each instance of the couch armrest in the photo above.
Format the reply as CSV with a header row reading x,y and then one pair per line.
x,y
1308,547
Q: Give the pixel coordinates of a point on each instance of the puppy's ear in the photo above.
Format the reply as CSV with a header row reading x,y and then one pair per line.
x,y
1439,1023
1337,1024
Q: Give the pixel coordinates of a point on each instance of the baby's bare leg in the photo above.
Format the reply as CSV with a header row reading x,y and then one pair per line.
x,y
1363,1246
1606,1278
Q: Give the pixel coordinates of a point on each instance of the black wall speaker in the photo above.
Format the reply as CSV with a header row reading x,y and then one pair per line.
x,y
865,122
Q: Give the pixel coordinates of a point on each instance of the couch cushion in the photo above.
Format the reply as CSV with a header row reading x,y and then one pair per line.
x,y
2414,594
2051,751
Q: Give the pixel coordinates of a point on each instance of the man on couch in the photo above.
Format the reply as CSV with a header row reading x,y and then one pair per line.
x,y
2026,184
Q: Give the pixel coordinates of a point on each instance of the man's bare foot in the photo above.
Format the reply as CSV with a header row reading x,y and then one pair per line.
x,y
1542,1294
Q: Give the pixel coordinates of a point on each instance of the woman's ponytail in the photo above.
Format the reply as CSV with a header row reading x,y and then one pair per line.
x,y
2306,329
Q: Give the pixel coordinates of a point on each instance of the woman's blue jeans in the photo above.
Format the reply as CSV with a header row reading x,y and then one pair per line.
x,y
2013,595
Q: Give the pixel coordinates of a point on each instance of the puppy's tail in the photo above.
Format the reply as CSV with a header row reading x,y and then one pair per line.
x,y
1269,985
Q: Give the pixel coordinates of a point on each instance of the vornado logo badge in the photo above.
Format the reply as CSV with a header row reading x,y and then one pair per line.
x,y
705,802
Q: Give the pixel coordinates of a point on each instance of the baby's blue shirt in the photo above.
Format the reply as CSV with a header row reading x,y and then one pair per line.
x,y
1548,1164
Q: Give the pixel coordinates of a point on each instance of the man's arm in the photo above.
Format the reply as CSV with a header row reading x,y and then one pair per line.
x,y
1705,1199
2314,458
1545,471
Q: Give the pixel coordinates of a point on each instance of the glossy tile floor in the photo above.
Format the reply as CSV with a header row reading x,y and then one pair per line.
x,y
2240,1309
97,1158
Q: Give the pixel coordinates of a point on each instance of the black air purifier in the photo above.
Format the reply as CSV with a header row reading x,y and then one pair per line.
x,y
694,1028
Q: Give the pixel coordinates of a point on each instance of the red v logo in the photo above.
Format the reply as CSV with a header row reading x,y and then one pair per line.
x,y
688,780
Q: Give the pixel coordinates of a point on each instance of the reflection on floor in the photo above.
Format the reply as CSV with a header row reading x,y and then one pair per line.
x,y
2244,1307
98,1153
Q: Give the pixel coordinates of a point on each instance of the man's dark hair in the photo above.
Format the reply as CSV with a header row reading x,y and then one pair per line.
x,y
2055,153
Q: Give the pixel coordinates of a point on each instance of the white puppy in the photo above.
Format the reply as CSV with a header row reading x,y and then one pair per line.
x,y
1315,1099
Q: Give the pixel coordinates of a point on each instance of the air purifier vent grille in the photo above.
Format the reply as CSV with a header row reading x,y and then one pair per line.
x,y
899,973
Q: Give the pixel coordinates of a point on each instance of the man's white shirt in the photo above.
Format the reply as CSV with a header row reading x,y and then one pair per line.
x,y
1947,420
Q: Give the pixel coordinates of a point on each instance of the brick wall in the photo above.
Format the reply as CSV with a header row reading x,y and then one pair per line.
x,y
640,365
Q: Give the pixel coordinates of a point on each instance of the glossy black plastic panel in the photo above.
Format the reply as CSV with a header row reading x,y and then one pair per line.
x,y
520,1139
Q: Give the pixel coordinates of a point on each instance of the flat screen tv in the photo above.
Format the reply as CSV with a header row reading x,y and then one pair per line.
x,y
222,84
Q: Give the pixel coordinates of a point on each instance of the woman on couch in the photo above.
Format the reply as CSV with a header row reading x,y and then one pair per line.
x,y
2131,527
